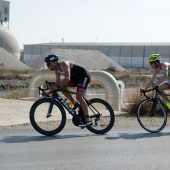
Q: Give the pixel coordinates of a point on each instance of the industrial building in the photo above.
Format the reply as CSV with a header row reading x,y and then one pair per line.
x,y
128,55
133,55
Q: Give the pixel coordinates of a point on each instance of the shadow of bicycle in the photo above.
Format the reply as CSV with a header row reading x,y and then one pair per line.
x,y
129,136
24,139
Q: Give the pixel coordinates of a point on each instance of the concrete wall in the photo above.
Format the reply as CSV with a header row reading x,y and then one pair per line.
x,y
125,54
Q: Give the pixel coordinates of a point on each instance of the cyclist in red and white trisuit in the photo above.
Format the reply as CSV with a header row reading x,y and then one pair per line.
x,y
74,76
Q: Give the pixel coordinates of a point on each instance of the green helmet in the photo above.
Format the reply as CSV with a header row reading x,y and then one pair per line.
x,y
154,57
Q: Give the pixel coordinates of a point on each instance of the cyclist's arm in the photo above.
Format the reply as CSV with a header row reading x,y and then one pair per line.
x,y
52,88
66,69
57,79
152,79
165,75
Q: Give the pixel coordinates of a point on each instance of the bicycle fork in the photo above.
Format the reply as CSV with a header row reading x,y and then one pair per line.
x,y
50,108
152,112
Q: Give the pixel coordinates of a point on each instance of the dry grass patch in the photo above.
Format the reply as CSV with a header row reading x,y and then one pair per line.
x,y
17,94
135,99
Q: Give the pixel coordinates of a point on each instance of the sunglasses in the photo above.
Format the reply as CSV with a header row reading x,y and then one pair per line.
x,y
151,62
48,64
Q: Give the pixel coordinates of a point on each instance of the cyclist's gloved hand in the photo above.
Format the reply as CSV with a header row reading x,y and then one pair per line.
x,y
53,88
44,94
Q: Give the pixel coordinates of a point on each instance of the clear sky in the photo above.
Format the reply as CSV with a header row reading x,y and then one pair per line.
x,y
43,21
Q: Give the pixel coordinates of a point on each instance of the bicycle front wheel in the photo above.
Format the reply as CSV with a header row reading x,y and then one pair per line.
x,y
102,116
47,125
151,119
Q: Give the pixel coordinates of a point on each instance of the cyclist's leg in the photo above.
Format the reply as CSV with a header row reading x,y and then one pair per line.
x,y
162,87
83,104
68,95
81,91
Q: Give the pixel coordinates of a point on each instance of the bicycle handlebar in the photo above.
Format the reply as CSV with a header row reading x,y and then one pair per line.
x,y
145,91
48,85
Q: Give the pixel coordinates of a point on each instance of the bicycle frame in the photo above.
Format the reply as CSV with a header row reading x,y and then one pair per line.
x,y
163,104
56,95
156,98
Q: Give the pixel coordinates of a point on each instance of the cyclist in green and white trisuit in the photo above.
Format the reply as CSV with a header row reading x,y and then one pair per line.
x,y
159,68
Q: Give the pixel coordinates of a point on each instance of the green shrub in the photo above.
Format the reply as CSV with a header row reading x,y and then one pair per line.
x,y
134,100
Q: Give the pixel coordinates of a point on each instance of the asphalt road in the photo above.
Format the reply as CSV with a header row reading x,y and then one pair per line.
x,y
74,149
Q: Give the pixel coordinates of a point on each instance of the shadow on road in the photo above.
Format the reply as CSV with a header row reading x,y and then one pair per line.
x,y
23,139
133,136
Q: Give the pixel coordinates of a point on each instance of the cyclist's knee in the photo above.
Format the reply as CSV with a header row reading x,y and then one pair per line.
x,y
162,87
63,87
79,97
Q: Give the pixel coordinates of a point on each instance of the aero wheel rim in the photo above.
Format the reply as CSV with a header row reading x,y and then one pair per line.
x,y
152,122
47,124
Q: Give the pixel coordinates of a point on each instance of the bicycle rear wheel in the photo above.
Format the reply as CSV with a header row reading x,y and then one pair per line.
x,y
102,116
51,125
152,121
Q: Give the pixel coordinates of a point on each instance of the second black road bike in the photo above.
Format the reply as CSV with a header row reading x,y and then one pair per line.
x,y
152,112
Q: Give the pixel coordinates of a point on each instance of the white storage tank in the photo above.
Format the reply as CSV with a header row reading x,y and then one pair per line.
x,y
8,42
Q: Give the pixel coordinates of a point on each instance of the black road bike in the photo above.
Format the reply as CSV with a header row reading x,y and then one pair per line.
x,y
152,112
48,114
